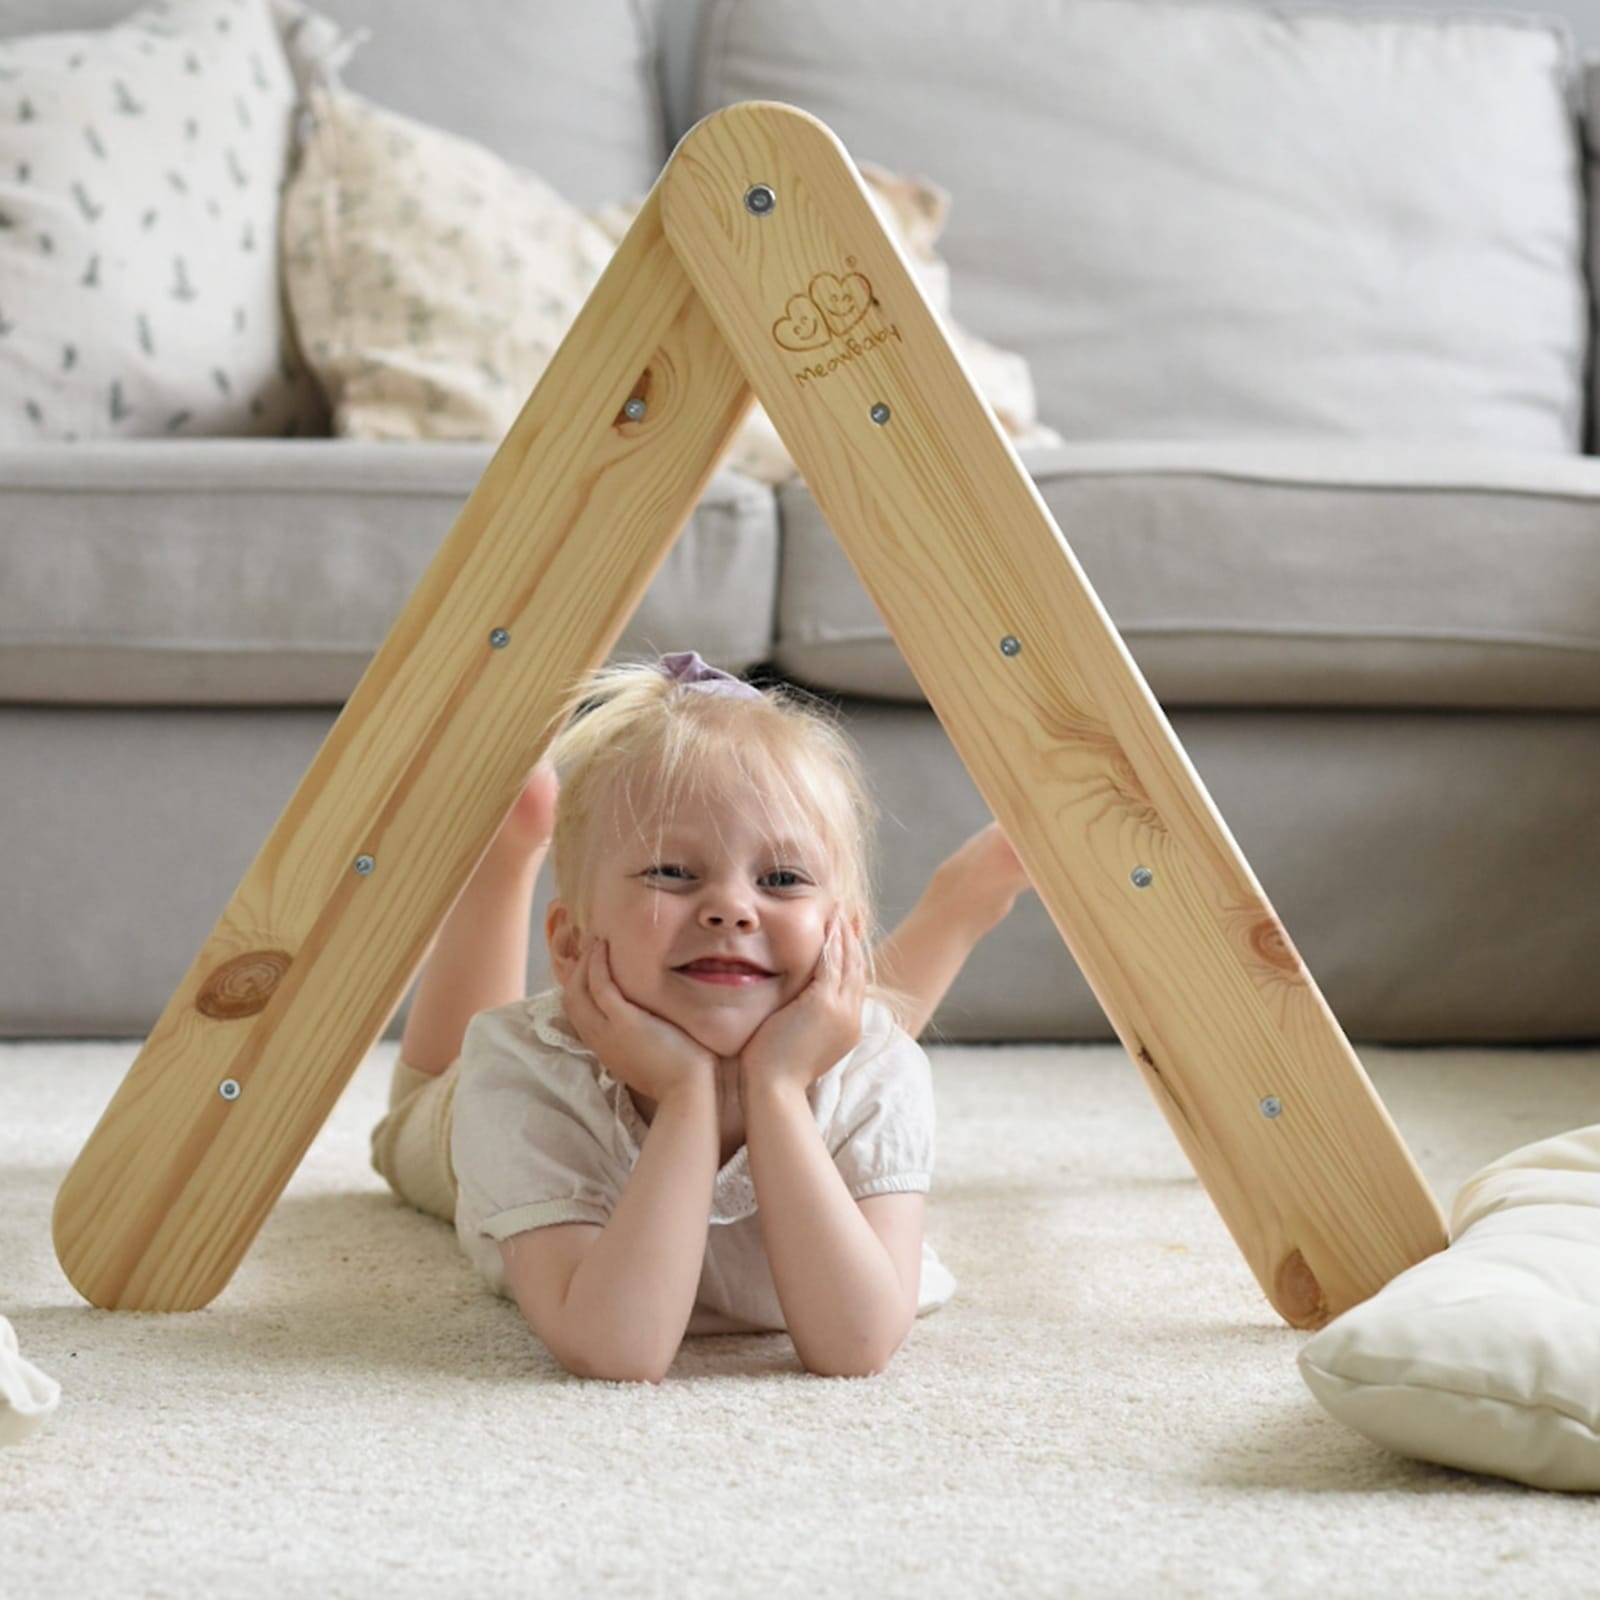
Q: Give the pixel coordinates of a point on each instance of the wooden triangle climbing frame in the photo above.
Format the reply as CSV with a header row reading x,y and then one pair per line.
x,y
757,266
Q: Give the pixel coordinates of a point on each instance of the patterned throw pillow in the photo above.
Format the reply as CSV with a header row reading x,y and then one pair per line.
x,y
141,169
430,282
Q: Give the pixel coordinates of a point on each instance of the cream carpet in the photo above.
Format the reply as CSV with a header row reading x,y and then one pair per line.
x,y
1107,1407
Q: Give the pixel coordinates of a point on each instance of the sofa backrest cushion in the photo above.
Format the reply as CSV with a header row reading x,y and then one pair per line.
x,y
1208,220
568,90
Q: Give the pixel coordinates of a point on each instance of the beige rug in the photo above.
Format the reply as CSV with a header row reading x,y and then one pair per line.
x,y
1106,1408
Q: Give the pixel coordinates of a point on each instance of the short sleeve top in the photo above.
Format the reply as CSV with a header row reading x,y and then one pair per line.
x,y
543,1134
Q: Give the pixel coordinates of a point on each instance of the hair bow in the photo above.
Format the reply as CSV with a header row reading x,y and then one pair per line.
x,y
686,668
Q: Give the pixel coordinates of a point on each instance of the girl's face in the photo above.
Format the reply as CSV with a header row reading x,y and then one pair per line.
x,y
714,894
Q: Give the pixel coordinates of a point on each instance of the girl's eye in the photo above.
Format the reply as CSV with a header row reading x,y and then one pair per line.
x,y
786,877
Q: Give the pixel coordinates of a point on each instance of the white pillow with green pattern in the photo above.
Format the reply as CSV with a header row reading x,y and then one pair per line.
x,y
140,172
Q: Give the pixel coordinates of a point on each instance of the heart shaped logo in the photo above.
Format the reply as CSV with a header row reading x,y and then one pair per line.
x,y
843,301
801,327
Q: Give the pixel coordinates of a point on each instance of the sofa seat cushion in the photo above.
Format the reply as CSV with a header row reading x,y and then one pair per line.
x,y
1279,574
1224,221
233,572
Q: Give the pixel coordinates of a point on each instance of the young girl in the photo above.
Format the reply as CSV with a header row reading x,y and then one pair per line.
x,y
719,1121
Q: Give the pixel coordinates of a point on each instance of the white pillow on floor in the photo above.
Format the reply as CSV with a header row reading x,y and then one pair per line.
x,y
27,1395
1486,1356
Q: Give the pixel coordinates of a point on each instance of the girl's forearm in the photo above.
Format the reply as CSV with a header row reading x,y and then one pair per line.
x,y
631,1298
841,1296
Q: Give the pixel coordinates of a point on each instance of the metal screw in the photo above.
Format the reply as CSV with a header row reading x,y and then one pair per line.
x,y
365,864
1142,877
229,1089
1272,1106
879,413
499,638
635,409
759,199
1010,646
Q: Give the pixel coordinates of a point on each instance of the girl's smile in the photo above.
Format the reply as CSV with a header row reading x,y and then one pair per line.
x,y
743,977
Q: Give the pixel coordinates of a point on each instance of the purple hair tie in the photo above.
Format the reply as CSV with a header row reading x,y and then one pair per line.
x,y
685,668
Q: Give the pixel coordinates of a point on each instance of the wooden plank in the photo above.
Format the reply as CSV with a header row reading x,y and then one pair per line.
x,y
1049,712
558,541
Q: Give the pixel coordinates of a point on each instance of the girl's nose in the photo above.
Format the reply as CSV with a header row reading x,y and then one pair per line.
x,y
727,911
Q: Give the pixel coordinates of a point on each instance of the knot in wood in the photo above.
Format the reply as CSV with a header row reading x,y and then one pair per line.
x,y
242,986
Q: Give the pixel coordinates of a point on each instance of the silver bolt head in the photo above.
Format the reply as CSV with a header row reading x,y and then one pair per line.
x,y
879,413
365,864
1272,1106
1010,645
635,409
499,638
1142,877
229,1089
759,199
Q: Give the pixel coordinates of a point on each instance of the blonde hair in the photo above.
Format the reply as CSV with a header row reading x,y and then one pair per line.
x,y
631,734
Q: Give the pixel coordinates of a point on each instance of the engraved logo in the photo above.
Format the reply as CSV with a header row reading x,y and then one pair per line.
x,y
844,301
832,306
801,327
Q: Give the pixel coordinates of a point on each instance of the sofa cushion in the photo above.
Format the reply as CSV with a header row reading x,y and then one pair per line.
x,y
140,168
1591,109
1400,258
1437,873
430,281
1260,575
568,90
231,572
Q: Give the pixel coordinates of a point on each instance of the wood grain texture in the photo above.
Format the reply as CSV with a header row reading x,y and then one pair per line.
x,y
556,545
1063,737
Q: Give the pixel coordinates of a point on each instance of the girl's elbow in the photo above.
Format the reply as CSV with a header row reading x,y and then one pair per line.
x,y
582,1357
867,1361
847,1369
620,1375
580,1364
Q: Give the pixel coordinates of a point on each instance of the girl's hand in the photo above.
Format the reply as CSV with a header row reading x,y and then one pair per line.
x,y
801,1040
646,1052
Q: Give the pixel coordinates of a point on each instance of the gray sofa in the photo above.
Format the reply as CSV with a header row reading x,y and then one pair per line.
x,y
1323,371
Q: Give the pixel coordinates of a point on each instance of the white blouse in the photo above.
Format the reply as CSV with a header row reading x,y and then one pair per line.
x,y
543,1134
